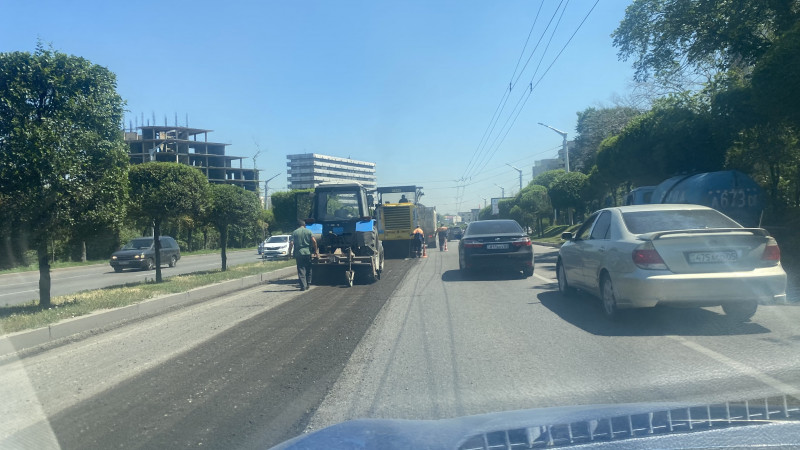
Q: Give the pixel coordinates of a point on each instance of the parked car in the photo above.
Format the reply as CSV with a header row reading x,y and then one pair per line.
x,y
680,255
495,244
276,246
454,233
140,253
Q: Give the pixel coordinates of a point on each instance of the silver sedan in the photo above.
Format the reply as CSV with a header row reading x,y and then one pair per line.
x,y
679,255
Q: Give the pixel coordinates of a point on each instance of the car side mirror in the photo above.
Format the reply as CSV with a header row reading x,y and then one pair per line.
x,y
370,200
567,236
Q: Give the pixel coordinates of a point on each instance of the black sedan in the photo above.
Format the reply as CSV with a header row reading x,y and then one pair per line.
x,y
495,244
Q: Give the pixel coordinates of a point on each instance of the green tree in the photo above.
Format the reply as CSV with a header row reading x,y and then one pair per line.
x,y
776,86
546,179
62,157
594,125
679,39
161,191
672,138
567,192
534,204
285,207
232,206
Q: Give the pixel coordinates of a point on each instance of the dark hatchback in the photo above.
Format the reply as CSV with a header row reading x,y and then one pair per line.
x,y
140,253
495,244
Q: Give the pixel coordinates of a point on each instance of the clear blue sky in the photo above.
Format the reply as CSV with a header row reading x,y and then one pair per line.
x,y
410,85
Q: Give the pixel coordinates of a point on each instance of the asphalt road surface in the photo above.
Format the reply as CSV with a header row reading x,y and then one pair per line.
x,y
265,364
21,287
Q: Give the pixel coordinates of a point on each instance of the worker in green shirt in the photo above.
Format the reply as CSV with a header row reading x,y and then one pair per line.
x,y
304,246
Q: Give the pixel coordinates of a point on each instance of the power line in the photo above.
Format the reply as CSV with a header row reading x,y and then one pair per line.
x,y
501,105
482,158
522,53
540,39
533,86
470,172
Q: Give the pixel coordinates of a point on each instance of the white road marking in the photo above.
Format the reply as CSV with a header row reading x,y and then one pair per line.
x,y
776,384
546,280
19,292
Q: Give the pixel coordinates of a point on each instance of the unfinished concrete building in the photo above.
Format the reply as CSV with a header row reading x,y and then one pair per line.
x,y
190,146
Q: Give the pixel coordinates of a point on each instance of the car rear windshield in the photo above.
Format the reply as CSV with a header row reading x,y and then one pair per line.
x,y
276,239
138,244
494,227
640,222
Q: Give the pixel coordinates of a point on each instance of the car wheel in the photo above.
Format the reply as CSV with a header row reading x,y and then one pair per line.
x,y
173,260
117,269
149,264
741,311
609,299
563,286
462,265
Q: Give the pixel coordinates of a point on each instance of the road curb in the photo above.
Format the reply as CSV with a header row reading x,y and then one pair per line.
x,y
546,244
21,340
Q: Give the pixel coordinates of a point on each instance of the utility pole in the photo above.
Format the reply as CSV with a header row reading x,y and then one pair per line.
x,y
484,201
520,175
563,144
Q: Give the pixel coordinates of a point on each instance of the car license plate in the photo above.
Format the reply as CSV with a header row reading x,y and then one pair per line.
x,y
712,257
496,246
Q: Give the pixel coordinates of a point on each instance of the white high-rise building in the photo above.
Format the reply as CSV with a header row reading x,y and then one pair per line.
x,y
307,170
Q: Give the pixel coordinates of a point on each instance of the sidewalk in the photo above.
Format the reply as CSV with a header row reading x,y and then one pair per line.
x,y
21,340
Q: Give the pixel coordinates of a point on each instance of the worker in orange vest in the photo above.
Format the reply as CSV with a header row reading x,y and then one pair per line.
x,y
442,232
418,239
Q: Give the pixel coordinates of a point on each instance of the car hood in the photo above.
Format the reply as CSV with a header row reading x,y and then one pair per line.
x,y
773,421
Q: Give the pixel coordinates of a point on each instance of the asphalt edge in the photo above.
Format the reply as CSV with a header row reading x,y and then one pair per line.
x,y
14,342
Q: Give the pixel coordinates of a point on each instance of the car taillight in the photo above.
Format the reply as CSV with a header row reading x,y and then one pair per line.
x,y
646,256
772,253
522,242
472,243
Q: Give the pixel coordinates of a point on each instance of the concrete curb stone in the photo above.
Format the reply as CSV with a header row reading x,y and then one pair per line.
x,y
21,340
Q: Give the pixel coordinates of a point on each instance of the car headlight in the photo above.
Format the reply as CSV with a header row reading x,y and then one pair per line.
x,y
113,257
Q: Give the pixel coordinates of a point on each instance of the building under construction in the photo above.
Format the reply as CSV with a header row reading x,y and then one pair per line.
x,y
190,146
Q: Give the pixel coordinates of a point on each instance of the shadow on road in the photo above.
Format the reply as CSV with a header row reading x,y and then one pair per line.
x,y
586,312
546,262
482,275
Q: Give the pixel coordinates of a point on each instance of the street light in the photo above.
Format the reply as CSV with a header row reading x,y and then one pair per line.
x,y
563,145
520,175
502,190
267,204
484,201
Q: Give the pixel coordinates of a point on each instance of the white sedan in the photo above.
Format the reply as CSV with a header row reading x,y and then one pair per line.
x,y
678,255
276,246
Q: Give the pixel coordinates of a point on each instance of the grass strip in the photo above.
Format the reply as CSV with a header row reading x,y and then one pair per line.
x,y
30,315
34,266
553,234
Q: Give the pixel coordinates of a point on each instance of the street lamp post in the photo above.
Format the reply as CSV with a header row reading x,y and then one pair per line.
x,y
484,201
563,145
502,190
520,175
267,204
